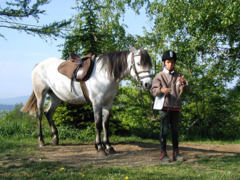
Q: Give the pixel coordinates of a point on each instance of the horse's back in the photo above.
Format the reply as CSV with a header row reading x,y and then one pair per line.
x,y
41,71
46,75
46,64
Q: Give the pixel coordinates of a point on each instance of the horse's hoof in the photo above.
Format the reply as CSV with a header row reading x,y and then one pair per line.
x,y
110,150
101,153
55,140
41,144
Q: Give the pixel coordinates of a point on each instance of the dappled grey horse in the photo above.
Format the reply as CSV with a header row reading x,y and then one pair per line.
x,y
102,86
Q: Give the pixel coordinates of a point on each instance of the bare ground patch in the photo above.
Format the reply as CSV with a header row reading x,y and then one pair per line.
x,y
130,155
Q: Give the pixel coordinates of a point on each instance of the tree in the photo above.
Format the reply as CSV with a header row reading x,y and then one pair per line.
x,y
96,29
15,11
206,36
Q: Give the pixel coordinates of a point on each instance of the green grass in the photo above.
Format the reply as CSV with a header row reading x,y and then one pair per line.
x,y
19,152
16,163
208,169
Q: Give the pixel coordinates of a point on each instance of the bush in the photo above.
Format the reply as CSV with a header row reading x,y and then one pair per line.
x,y
132,114
83,135
18,124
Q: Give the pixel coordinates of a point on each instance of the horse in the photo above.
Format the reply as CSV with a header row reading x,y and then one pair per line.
x,y
102,86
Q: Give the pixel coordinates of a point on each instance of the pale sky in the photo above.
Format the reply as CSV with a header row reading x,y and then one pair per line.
x,y
19,52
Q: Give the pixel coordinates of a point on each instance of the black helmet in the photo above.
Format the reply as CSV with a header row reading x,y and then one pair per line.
x,y
170,55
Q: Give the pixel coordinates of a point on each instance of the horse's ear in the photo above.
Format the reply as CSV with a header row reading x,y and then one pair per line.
x,y
133,50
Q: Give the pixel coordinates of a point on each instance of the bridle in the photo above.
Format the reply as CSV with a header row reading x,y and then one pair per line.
x,y
139,78
133,65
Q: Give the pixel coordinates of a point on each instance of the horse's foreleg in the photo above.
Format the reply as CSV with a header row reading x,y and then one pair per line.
x,y
98,125
53,104
40,135
105,124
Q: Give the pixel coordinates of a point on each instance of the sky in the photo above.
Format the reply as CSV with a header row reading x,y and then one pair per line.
x,y
20,52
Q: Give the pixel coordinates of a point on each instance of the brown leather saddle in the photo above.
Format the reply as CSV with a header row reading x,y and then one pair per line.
x,y
78,69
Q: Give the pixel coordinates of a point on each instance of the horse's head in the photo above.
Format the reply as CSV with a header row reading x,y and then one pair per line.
x,y
141,65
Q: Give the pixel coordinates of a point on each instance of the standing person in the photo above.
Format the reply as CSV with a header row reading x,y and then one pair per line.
x,y
169,85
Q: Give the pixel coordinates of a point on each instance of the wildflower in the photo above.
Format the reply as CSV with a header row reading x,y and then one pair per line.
x,y
62,169
126,178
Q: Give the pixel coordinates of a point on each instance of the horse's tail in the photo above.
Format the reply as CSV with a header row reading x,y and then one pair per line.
x,y
31,105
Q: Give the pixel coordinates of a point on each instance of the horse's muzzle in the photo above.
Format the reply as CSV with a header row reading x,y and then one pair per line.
x,y
146,85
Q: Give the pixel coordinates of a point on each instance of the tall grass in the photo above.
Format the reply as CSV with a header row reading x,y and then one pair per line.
x,y
19,125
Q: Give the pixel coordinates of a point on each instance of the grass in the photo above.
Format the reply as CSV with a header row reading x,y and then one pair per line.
x,y
17,154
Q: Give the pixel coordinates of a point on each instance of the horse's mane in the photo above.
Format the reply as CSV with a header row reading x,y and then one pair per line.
x,y
145,59
116,62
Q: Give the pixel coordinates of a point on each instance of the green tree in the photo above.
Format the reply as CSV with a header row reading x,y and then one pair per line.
x,y
205,35
96,29
12,13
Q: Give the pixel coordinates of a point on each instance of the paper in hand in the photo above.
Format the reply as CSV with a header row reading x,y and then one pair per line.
x,y
159,101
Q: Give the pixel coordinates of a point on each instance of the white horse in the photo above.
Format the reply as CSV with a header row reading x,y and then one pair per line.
x,y
100,89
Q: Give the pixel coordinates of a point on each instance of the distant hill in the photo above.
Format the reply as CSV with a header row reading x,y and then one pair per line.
x,y
14,100
4,107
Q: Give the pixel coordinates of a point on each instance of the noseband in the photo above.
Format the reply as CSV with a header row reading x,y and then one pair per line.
x,y
135,70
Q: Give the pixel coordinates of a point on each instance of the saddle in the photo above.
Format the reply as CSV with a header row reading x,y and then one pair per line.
x,y
78,69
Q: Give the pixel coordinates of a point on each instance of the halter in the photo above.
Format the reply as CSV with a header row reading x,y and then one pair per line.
x,y
135,70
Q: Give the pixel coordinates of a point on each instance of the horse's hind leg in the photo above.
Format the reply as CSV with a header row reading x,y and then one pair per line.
x,y
40,95
53,104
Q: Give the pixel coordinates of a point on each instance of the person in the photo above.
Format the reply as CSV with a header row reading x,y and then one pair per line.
x,y
170,85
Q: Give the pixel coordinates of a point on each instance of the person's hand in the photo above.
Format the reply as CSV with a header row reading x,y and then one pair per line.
x,y
182,80
165,90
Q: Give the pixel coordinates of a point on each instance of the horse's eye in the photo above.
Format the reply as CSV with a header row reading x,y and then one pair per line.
x,y
138,64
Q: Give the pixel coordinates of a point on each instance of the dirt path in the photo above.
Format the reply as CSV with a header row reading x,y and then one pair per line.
x,y
131,155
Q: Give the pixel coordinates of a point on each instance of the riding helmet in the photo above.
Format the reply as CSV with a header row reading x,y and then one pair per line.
x,y
170,55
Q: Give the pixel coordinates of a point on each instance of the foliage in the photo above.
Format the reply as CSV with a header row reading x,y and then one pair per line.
x,y
12,13
17,123
205,35
79,116
20,125
132,113
96,29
